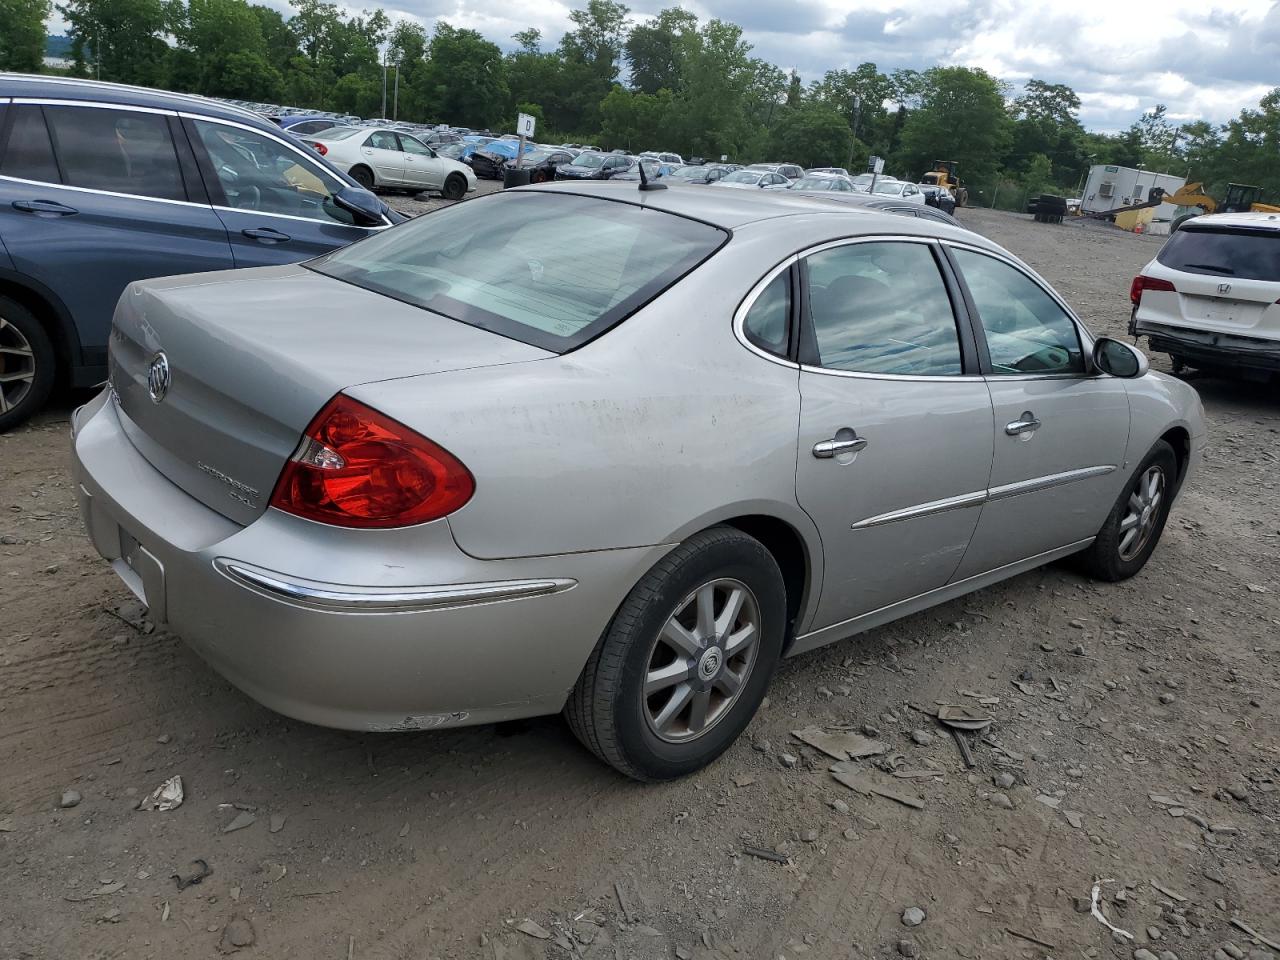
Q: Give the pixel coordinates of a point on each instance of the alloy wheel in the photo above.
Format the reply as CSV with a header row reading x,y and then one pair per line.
x,y
700,661
17,366
1142,513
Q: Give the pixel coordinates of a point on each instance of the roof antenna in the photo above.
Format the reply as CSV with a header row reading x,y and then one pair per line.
x,y
644,180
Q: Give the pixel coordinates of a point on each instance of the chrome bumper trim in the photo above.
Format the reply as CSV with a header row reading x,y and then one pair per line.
x,y
350,599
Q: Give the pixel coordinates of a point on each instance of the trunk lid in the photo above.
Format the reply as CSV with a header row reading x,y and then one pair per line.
x,y
252,357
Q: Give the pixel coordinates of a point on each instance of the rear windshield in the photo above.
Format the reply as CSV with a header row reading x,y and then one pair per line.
x,y
552,270
1224,252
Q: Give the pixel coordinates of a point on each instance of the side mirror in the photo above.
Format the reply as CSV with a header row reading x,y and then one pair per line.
x,y
361,204
1118,359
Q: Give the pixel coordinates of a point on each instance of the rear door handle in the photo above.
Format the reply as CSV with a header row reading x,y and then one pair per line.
x,y
45,208
1027,423
266,235
831,448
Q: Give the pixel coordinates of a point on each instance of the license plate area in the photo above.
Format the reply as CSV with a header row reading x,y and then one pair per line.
x,y
143,573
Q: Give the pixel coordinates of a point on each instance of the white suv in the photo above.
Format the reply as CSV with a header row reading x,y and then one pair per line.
x,y
1211,297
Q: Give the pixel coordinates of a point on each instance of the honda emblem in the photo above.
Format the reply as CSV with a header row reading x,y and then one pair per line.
x,y
1224,288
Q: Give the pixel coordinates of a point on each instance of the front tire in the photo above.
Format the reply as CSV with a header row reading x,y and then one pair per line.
x,y
686,660
1133,528
28,364
455,187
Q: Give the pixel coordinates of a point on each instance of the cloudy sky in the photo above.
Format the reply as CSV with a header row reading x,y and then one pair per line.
x,y
1205,60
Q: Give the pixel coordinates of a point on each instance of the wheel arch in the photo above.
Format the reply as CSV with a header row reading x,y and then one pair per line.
x,y
53,316
792,554
373,174
1180,439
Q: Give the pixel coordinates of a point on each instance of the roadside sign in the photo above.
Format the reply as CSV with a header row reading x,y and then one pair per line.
x,y
875,165
525,124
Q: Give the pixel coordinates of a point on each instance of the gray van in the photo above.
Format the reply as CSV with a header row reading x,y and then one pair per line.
x,y
103,184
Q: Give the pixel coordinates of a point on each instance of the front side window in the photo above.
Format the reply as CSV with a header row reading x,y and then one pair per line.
x,y
116,150
29,154
1026,330
517,263
257,172
410,145
768,321
882,308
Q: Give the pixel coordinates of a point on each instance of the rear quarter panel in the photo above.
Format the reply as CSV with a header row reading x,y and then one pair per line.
x,y
663,426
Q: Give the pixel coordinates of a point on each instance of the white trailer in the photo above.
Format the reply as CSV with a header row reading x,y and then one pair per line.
x,y
1109,187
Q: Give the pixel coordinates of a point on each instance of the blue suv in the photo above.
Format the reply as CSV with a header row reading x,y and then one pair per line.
x,y
102,184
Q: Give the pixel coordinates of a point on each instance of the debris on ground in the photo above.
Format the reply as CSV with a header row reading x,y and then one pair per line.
x,y
840,746
192,877
236,935
913,916
534,929
70,798
242,819
168,796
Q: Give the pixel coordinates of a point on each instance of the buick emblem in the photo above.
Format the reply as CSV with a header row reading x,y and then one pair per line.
x,y
158,377
1224,288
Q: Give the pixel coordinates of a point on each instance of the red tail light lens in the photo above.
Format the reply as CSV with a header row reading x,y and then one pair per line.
x,y
356,467
320,148
1141,283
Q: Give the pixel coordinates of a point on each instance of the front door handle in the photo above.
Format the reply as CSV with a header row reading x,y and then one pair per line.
x,y
831,448
1027,423
44,208
266,235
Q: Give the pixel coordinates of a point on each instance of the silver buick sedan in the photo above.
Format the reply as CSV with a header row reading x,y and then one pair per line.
x,y
611,450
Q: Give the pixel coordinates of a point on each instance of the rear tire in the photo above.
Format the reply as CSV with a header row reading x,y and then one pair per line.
x,y
668,641
1133,528
364,177
455,187
28,364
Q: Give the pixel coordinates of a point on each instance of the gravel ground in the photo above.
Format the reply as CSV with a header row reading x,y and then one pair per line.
x,y
1135,746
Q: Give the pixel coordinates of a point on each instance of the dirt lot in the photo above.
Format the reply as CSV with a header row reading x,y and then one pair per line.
x,y
1140,740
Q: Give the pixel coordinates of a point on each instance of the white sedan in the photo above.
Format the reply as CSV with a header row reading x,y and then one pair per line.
x,y
753,179
900,190
379,157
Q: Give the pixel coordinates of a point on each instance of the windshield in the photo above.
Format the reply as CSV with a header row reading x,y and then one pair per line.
x,y
815,183
888,189
516,263
742,176
342,133
591,160
1225,251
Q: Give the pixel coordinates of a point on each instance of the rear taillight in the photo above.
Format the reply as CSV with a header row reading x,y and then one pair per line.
x,y
356,467
1141,282
320,148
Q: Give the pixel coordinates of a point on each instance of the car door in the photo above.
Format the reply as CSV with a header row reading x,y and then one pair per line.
x,y
895,424
272,196
381,150
1060,429
614,166
95,197
422,168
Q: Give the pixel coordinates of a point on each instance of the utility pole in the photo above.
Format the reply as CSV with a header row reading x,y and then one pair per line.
x,y
395,102
857,117
384,84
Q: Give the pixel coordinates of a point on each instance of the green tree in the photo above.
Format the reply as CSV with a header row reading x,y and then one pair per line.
x,y
812,135
961,117
22,34
590,53
118,40
654,50
634,120
464,79
1158,138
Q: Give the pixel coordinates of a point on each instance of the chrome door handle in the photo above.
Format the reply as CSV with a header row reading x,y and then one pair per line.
x,y
1027,423
830,448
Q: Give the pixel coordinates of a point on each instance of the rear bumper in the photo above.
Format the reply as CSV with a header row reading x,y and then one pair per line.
x,y
397,630
1210,347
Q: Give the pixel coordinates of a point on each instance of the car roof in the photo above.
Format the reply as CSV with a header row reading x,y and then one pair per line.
x,y
1259,220
730,209
70,88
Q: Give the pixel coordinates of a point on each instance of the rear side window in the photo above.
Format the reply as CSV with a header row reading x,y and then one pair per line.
x,y
551,270
882,308
29,154
1225,252
117,150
